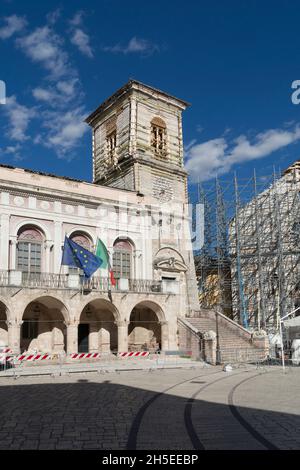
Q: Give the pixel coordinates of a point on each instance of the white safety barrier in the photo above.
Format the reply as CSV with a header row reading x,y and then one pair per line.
x,y
85,355
133,354
28,357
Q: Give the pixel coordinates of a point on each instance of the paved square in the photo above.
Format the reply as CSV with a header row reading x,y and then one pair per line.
x,y
162,409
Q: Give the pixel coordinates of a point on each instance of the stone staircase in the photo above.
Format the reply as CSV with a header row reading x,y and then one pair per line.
x,y
236,344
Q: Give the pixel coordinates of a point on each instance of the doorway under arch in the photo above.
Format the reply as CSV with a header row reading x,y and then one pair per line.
x,y
97,330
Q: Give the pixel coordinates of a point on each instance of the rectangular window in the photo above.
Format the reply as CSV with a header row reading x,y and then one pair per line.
x,y
122,265
29,257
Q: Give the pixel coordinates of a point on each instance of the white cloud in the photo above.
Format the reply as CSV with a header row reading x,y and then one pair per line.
x,y
14,24
43,94
60,109
217,156
134,46
77,18
80,39
44,46
53,16
64,130
67,87
58,96
19,117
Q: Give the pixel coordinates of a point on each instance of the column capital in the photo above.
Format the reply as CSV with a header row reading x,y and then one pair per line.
x,y
13,240
71,323
163,323
48,244
121,323
12,323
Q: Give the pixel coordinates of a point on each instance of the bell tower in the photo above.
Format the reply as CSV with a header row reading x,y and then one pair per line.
x,y
137,142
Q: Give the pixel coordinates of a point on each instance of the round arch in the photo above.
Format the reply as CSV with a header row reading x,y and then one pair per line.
x,y
125,238
151,305
7,307
102,302
3,324
44,321
171,249
97,330
34,223
85,232
144,330
48,301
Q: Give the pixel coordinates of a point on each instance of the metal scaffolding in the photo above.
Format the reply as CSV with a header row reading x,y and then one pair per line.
x,y
249,265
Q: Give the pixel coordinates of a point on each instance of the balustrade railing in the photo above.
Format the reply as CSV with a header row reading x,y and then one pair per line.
x,y
74,281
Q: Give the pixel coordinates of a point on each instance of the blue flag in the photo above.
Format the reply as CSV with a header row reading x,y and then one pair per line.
x,y
76,256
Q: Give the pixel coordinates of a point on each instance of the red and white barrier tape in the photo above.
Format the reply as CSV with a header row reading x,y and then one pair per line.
x,y
85,355
5,350
133,354
28,357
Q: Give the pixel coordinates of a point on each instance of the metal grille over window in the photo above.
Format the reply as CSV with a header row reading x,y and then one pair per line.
x,y
159,137
122,257
111,148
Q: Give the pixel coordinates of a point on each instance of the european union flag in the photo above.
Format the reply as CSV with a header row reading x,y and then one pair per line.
x,y
76,256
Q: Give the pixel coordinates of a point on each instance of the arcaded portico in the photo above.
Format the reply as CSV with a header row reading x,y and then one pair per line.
x,y
71,321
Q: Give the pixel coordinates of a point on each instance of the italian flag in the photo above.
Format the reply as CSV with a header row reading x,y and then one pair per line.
x,y
102,253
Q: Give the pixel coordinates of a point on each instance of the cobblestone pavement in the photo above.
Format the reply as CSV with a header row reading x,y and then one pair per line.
x,y
202,409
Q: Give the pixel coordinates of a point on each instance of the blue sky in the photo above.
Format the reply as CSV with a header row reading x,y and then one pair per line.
x,y
234,61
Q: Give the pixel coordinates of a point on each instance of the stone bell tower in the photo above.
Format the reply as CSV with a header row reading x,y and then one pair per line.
x,y
137,142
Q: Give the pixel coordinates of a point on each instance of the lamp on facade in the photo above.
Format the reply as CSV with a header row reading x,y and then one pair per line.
x,y
140,197
36,311
88,312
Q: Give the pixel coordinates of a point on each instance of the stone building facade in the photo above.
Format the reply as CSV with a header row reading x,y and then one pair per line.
x,y
137,205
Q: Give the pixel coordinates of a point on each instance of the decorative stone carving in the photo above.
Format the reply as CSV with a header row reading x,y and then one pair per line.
x,y
168,259
210,335
170,264
92,213
157,274
69,209
45,205
19,201
259,334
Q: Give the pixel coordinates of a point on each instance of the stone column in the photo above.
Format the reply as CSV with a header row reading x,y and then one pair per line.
x,y
13,253
94,338
14,335
4,242
164,335
57,251
210,347
122,335
72,337
47,247
104,336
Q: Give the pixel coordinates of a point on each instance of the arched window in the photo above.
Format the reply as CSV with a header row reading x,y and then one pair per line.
x,y
29,250
122,259
159,137
83,240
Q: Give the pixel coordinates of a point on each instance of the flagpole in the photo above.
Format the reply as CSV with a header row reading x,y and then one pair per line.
x,y
61,258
